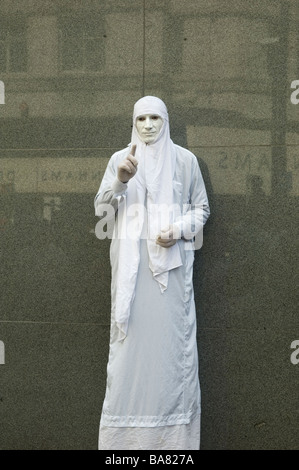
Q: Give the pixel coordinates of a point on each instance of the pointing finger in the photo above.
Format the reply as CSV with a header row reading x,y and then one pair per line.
x,y
133,160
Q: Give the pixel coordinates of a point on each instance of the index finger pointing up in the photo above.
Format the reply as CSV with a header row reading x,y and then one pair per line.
x,y
133,150
133,160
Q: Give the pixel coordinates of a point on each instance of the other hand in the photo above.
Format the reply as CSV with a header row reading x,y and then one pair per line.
x,y
168,237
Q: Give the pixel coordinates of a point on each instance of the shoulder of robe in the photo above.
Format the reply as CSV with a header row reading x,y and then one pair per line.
x,y
185,156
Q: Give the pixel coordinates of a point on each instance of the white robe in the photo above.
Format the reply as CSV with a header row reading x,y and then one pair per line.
x,y
152,396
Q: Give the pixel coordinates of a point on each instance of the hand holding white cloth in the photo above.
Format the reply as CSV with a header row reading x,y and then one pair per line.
x,y
168,237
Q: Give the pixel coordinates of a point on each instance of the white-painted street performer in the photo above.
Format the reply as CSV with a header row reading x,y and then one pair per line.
x,y
159,203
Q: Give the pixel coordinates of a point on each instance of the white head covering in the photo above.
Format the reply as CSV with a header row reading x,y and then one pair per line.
x,y
156,160
152,186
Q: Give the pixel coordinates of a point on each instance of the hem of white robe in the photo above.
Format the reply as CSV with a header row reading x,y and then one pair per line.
x,y
148,421
172,437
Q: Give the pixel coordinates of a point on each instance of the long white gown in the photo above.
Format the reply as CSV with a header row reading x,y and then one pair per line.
x,y
152,396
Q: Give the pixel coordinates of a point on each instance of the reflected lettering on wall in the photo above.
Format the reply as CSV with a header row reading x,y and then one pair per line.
x,y
232,172
240,170
53,175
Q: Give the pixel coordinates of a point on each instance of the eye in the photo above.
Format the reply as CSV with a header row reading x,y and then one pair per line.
x,y
141,118
155,118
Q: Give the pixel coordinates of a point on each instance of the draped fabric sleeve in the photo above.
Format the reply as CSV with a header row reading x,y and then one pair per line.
x,y
111,190
196,212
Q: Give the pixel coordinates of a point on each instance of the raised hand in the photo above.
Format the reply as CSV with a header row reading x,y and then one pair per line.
x,y
128,167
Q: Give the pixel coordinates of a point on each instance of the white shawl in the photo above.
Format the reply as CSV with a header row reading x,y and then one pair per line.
x,y
149,193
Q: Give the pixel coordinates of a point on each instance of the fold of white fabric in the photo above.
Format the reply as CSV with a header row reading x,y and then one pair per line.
x,y
148,202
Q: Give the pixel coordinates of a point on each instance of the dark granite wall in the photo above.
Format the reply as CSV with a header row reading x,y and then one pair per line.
x,y
72,71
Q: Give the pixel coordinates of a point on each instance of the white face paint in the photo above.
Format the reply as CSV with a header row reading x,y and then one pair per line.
x,y
148,127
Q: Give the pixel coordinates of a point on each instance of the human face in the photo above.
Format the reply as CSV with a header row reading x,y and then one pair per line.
x,y
148,127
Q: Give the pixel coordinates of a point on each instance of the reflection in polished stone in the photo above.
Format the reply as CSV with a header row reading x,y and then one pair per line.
x,y
72,72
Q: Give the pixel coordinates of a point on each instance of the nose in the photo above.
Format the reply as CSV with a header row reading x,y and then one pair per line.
x,y
148,123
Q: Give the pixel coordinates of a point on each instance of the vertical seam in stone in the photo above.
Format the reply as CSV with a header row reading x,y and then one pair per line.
x,y
143,59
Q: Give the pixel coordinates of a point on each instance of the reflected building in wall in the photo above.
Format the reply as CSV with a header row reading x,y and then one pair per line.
x,y
72,71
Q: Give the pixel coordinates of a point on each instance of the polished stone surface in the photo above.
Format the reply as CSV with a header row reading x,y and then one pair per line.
x,y
72,72
52,385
